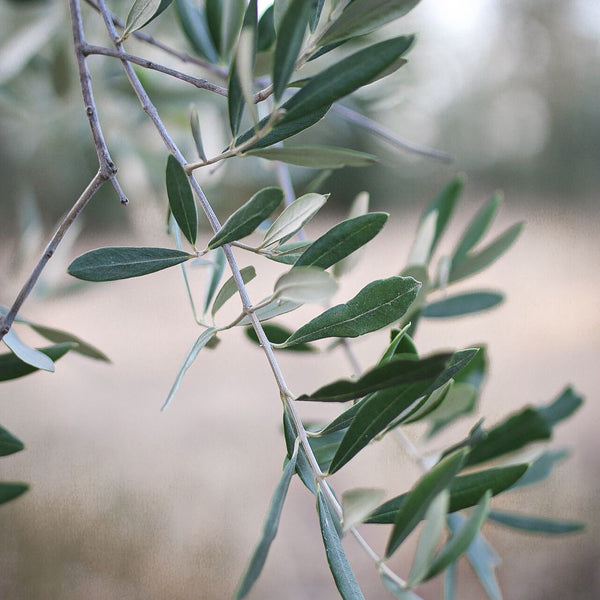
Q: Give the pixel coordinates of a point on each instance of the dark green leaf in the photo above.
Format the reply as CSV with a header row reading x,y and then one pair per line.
x,y
276,335
417,501
31,356
302,465
462,304
477,228
10,491
142,12
378,304
316,157
58,336
9,444
317,7
229,288
248,217
534,524
196,135
397,372
266,30
363,16
324,447
110,264
461,540
434,222
259,556
193,22
401,343
342,240
181,200
465,491
290,35
561,408
11,367
341,570
224,18
477,261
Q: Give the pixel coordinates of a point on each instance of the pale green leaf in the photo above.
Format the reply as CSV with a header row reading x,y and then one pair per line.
x,y
31,356
214,274
196,134
142,12
316,157
358,504
396,589
535,524
181,200
229,288
248,217
305,284
58,336
271,310
110,264
12,367
462,304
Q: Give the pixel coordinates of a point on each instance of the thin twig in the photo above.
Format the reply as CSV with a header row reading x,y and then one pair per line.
x,y
59,234
389,136
198,82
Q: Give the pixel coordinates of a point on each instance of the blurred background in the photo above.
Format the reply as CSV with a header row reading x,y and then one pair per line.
x,y
128,502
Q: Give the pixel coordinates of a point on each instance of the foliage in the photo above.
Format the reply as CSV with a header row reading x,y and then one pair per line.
x,y
401,387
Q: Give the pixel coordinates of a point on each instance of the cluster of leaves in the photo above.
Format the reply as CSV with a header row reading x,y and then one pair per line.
x,y
261,57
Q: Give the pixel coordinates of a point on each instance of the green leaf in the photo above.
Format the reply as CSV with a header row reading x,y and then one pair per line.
x,y
214,274
305,284
315,15
58,336
277,335
477,228
12,367
224,18
324,447
378,304
395,589
459,400
316,157
563,407
266,30
259,556
397,372
342,240
197,134
271,310
363,16
417,501
290,35
229,288
461,540
534,524
203,339
302,465
288,254
358,504
344,77
248,217
358,208
434,222
435,519
477,261
9,444
192,18
142,12
541,467
341,570
110,264
181,200
31,356
462,304
293,218
10,491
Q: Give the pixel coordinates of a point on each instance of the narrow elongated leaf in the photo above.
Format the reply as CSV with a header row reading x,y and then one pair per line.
x,y
290,35
477,228
224,18
293,218
196,134
271,310
378,304
541,467
9,444
58,336
315,15
303,468
142,12
450,582
214,274
10,490
229,288
477,261
394,373
28,355
341,570
181,200
358,504
462,304
342,240
535,524
12,367
306,284
192,18
324,447
396,589
344,77
316,157
202,340
259,556
562,407
434,222
110,264
461,540
417,501
266,30
276,334
248,217
435,518
288,254
363,16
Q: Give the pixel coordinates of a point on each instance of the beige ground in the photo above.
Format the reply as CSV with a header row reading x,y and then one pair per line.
x,y
131,503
